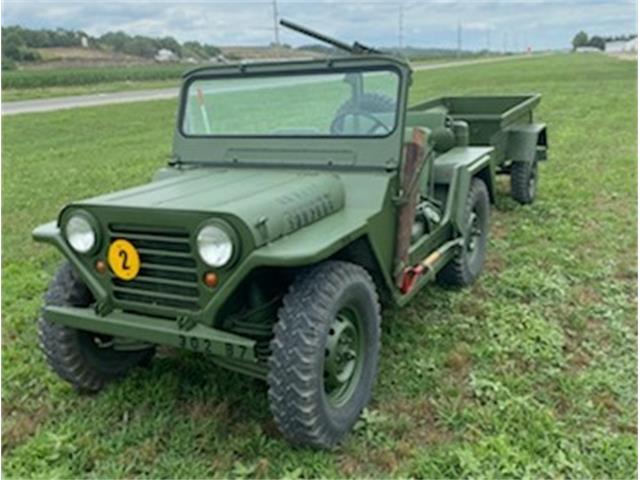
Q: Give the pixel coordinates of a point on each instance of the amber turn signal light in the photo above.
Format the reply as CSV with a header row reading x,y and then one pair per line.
x,y
210,279
101,266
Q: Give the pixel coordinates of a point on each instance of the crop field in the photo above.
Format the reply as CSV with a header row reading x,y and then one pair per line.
x,y
532,372
82,76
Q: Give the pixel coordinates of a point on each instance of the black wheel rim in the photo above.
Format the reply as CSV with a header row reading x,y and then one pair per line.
x,y
344,353
474,235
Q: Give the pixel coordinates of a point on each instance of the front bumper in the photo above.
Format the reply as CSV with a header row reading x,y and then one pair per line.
x,y
225,346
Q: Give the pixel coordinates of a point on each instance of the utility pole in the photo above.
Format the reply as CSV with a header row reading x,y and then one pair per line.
x,y
400,26
504,42
488,40
276,33
459,39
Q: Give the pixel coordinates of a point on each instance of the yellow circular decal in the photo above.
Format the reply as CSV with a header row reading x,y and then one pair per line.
x,y
124,259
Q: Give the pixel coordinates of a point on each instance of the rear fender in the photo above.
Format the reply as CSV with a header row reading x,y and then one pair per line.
x,y
527,142
482,168
457,168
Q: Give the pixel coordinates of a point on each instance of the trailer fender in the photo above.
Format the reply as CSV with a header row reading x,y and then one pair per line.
x,y
526,143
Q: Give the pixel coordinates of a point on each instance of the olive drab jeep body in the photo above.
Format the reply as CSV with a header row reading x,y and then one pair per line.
x,y
300,197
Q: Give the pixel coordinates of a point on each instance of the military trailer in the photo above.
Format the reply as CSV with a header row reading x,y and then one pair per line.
x,y
300,198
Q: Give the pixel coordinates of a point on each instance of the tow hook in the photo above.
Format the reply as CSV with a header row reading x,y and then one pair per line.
x,y
411,275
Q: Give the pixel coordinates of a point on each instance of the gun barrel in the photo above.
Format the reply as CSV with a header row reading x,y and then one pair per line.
x,y
316,35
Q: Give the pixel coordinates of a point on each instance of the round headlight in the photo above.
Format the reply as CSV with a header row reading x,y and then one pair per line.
x,y
214,246
80,234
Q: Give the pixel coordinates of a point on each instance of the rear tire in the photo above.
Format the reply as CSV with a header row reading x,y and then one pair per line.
x,y
466,266
324,354
84,359
524,181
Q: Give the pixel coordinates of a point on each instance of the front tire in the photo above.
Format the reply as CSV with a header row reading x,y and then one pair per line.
x,y
86,360
324,354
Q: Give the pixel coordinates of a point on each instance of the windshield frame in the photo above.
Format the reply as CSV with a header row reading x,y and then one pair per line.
x,y
319,70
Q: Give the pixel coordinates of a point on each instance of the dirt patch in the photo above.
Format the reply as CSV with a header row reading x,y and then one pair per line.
x,y
459,361
607,402
495,263
416,423
18,425
586,295
412,423
204,411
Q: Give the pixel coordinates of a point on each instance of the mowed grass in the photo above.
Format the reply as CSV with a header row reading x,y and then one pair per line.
x,y
532,372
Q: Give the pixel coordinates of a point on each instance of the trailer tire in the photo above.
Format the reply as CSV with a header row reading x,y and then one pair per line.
x,y
466,266
524,181
324,353
82,358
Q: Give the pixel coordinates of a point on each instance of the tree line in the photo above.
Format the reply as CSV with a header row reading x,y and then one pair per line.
x,y
19,44
582,39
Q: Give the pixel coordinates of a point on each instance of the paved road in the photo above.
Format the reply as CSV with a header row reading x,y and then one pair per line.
x,y
63,103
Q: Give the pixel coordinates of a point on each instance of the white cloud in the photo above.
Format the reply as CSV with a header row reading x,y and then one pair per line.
x,y
545,24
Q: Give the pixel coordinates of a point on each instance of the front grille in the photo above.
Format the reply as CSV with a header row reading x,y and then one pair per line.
x,y
167,277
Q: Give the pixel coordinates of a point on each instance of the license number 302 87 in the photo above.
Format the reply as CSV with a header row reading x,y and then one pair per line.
x,y
205,345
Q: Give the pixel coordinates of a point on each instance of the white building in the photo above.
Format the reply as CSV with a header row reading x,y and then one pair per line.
x,y
588,50
622,46
165,55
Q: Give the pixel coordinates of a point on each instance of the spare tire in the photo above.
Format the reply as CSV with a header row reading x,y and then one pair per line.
x,y
368,103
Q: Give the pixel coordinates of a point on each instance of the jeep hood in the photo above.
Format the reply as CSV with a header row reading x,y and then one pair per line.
x,y
272,203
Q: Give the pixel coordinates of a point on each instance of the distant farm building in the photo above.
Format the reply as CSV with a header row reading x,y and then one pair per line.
x,y
165,55
622,46
588,50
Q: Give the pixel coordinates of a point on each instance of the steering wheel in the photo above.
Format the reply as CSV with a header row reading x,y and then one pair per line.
x,y
338,122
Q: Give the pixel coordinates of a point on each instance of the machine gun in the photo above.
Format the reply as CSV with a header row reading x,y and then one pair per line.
x,y
355,49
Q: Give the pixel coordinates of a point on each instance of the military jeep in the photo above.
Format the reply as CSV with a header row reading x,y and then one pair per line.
x,y
300,197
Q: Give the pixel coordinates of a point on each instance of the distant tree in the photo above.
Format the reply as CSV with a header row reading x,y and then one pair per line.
x,y
142,47
170,43
18,43
580,40
8,63
211,50
116,40
12,44
597,42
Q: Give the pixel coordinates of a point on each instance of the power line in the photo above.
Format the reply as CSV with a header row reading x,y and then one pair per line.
x,y
276,33
400,25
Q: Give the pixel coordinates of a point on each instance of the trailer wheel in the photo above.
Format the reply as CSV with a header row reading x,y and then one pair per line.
x,y
524,181
324,353
84,359
468,263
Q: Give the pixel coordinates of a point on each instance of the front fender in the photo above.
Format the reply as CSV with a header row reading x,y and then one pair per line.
x,y
50,233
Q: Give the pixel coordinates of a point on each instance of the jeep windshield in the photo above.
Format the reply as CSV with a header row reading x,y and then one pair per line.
x,y
351,103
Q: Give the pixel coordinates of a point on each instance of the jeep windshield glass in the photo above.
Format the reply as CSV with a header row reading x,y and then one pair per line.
x,y
355,104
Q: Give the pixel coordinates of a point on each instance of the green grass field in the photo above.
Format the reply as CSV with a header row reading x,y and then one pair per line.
x,y
49,83
532,372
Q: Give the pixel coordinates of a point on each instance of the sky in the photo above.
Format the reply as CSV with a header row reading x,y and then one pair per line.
x,y
497,24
